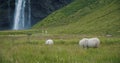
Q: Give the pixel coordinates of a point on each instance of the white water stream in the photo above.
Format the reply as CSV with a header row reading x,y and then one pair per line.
x,y
22,16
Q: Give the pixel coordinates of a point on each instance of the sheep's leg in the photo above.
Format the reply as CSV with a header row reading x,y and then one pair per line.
x,y
85,46
96,45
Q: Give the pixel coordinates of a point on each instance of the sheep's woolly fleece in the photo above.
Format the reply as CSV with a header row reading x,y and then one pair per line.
x,y
49,42
91,42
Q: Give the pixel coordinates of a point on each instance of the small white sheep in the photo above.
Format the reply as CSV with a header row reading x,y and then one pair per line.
x,y
92,42
49,42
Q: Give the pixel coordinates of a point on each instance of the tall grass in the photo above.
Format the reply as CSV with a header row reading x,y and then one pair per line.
x,y
64,50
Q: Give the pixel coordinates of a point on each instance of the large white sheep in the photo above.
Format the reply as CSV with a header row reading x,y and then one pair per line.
x,y
49,42
92,42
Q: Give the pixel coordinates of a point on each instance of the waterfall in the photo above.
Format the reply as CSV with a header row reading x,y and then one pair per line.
x,y
22,16
29,14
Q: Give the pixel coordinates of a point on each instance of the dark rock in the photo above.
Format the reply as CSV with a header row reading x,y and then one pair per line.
x,y
39,10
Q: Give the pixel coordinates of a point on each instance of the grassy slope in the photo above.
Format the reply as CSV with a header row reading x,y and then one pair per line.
x,y
85,17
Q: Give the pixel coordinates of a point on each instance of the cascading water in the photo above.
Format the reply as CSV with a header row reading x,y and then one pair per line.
x,y
22,16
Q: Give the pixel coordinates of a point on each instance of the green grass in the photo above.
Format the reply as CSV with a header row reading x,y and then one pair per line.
x,y
79,19
17,49
84,17
18,32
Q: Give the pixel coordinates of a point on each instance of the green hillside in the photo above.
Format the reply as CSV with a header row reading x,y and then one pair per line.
x,y
84,17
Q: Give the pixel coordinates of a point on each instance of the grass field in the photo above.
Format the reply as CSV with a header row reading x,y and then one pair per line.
x,y
21,49
79,19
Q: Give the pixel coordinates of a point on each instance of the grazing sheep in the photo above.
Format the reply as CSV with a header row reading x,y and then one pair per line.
x,y
49,42
83,42
92,42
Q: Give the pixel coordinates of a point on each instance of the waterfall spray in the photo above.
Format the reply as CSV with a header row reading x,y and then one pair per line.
x,y
29,12
22,16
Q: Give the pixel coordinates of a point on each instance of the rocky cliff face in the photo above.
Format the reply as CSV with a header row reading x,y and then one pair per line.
x,y
42,8
39,10
4,15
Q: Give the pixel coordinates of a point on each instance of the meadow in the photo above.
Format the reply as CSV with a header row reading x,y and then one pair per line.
x,y
32,49
66,26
